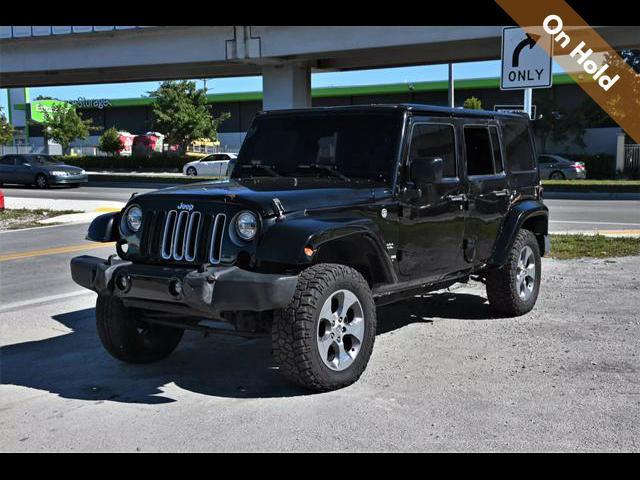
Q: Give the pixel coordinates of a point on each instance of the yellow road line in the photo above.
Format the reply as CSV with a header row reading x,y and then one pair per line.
x,y
53,251
619,232
108,209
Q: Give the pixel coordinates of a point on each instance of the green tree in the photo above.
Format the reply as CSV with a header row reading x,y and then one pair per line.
x,y
110,142
557,124
472,103
63,124
182,114
6,129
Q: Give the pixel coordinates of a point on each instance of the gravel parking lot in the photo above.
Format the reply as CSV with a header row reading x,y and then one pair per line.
x,y
445,375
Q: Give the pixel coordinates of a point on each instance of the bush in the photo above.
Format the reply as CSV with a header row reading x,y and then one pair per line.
x,y
599,166
110,142
166,163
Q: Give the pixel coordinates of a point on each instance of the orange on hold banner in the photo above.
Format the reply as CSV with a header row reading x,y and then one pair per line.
x,y
587,57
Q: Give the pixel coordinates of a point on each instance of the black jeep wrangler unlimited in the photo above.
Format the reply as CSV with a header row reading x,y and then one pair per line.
x,y
328,212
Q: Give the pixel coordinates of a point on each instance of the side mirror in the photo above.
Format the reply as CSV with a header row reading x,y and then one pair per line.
x,y
426,170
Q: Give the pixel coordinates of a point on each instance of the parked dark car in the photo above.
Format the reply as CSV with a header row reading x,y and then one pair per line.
x,y
329,212
39,170
555,167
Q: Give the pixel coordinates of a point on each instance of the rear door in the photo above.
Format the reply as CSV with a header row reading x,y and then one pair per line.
x,y
8,169
487,188
24,170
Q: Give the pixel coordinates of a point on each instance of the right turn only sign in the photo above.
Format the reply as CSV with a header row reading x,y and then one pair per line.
x,y
525,63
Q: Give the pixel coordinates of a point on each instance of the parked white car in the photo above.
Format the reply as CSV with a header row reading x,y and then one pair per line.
x,y
212,165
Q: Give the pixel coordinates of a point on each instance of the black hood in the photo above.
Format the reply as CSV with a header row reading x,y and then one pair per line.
x,y
294,193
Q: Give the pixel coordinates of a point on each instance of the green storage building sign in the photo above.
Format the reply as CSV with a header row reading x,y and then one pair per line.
x,y
38,107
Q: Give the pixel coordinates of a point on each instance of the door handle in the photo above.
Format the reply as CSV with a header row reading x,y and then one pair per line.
x,y
501,193
457,198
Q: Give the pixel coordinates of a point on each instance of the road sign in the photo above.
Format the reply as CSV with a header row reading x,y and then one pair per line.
x,y
525,63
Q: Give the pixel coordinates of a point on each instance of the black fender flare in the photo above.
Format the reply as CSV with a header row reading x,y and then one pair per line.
x,y
104,228
298,233
518,214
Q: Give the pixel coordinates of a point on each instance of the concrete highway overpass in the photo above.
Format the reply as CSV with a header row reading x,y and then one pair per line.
x,y
284,55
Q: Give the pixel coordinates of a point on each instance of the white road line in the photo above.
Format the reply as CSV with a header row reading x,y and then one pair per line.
x,y
51,298
588,222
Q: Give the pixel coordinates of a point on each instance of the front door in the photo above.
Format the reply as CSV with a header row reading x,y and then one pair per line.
x,y
488,191
432,221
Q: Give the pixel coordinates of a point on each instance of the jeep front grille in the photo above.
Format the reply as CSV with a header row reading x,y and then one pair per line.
x,y
181,236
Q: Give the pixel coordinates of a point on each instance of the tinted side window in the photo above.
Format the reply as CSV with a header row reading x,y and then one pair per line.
x,y
518,146
479,151
431,140
7,161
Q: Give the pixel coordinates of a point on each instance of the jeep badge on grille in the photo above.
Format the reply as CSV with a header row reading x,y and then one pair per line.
x,y
185,206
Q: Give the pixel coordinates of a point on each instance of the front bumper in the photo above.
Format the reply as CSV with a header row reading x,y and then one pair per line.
x,y
205,291
68,180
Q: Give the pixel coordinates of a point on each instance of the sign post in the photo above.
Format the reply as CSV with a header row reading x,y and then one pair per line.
x,y
525,62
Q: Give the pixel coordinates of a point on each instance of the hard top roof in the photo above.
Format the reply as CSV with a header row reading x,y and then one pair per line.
x,y
404,107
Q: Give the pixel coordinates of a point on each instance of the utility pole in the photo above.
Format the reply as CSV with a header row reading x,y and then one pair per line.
x,y
528,97
451,85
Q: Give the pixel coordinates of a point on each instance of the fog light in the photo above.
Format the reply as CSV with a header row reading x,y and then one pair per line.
x,y
123,282
175,287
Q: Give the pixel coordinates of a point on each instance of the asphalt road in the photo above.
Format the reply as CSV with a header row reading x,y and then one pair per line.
x,y
446,374
565,214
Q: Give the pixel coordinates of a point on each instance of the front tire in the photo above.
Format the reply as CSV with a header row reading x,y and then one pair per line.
x,y
41,181
323,340
131,340
513,288
192,172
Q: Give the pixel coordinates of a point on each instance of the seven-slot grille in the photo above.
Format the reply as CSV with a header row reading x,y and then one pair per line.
x,y
183,236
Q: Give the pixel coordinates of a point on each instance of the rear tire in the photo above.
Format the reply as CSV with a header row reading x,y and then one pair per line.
x,y
513,288
557,176
323,340
129,339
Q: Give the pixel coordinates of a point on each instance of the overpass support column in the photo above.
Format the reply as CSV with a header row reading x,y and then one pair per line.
x,y
286,86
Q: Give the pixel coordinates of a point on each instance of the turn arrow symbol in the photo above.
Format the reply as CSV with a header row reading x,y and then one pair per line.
x,y
530,42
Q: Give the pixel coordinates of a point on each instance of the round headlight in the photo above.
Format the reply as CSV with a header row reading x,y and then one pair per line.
x,y
134,218
247,225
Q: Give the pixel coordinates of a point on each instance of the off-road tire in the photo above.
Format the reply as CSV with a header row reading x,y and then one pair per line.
x,y
501,282
295,328
119,333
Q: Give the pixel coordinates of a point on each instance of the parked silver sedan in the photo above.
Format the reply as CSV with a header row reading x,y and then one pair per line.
x,y
555,167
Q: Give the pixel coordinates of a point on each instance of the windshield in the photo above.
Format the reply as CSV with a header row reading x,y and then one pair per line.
x,y
341,145
42,160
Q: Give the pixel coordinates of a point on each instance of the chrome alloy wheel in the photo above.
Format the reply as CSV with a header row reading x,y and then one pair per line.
x,y
340,330
526,273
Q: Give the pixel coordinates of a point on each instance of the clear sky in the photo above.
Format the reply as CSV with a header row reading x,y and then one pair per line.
x,y
246,84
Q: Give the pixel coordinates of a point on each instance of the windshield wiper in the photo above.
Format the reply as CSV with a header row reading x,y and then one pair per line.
x,y
266,168
325,168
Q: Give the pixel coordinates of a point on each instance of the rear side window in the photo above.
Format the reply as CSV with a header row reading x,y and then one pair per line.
x,y
479,151
518,146
432,140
